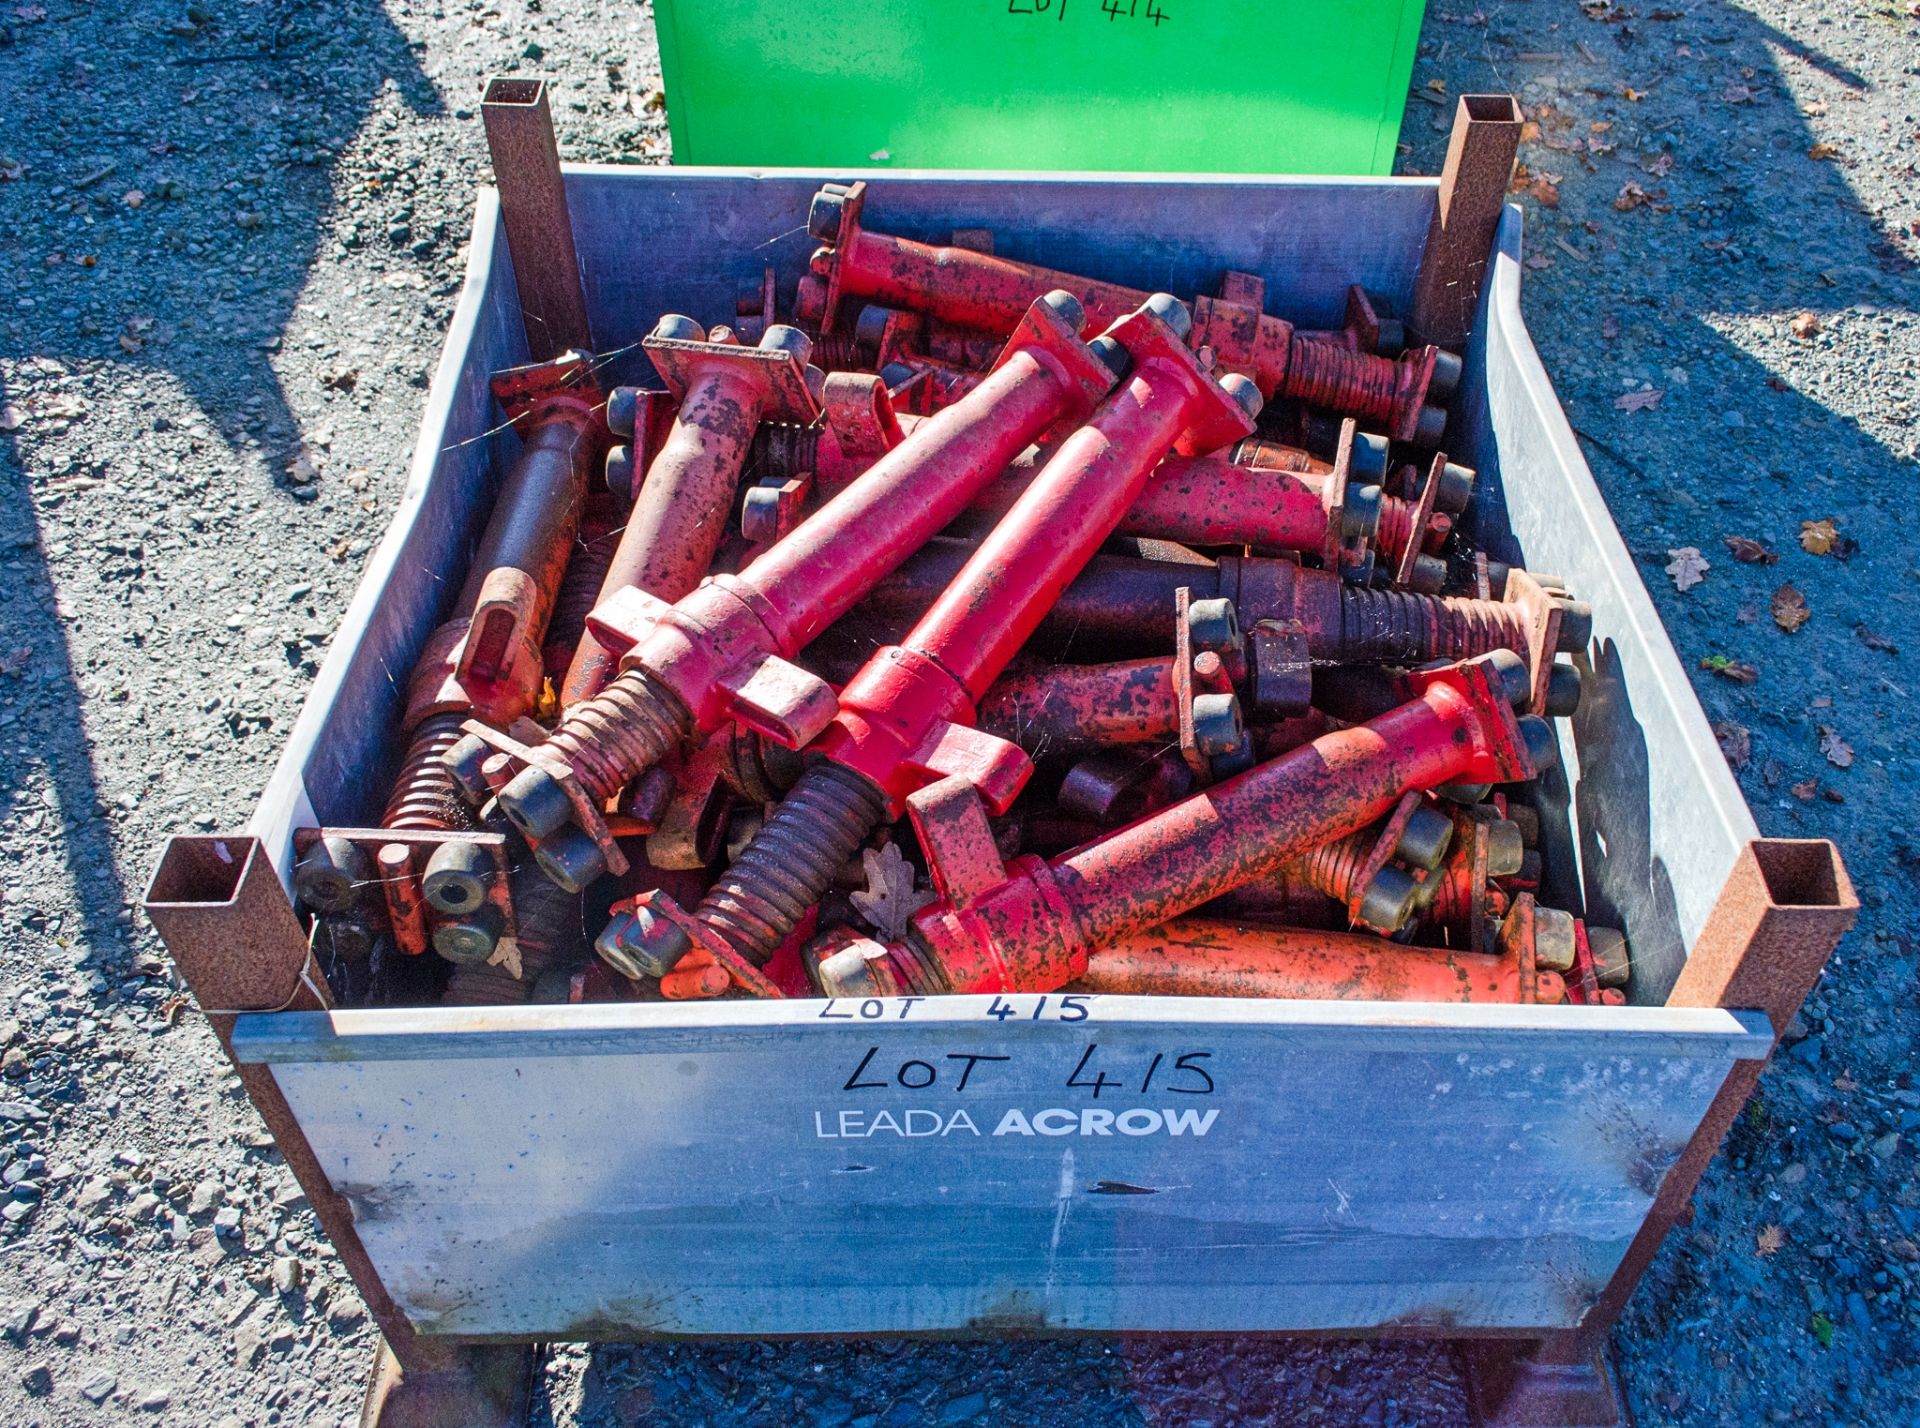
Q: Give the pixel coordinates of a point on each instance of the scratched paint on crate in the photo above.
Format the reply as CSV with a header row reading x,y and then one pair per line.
x,y
1061,1161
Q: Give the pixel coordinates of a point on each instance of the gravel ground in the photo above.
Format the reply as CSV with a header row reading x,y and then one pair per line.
x,y
230,238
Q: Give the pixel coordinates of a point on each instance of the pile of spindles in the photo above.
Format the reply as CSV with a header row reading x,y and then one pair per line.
x,y
958,625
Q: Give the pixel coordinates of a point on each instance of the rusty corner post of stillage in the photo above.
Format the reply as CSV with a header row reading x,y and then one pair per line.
x,y
533,207
1473,191
219,905
1784,908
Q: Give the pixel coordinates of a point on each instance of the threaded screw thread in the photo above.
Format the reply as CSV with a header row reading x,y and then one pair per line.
x,y
906,969
1259,453
1395,531
1334,868
1452,903
425,797
486,984
791,862
913,967
838,352
620,733
550,923
1342,380
782,450
1394,627
579,593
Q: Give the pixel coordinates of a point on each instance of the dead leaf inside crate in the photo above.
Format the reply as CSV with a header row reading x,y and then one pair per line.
x,y
890,898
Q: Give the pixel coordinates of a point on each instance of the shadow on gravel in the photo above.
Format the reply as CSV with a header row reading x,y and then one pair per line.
x,y
178,174
1667,281
1691,189
1044,1383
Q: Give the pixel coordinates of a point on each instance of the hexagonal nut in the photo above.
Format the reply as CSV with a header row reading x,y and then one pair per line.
x,y
791,340
853,969
829,206
1216,724
1213,625
457,877
1506,849
1388,901
570,859
330,875
623,410
1370,458
465,941
763,514
1280,670
641,943
1170,310
621,474
1612,958
1425,839
465,762
1553,943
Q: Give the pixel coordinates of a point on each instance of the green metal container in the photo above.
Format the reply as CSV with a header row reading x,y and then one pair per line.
x,y
1233,86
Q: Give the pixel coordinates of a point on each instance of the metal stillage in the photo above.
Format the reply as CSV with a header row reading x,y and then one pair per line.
x,y
1047,1162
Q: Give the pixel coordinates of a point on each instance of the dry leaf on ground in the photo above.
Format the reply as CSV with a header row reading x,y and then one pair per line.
x,y
1770,1241
1823,151
1824,538
1750,552
1807,791
1546,191
1640,401
1838,751
1806,324
1818,537
1873,640
1731,669
1688,567
1735,742
1631,196
1790,610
